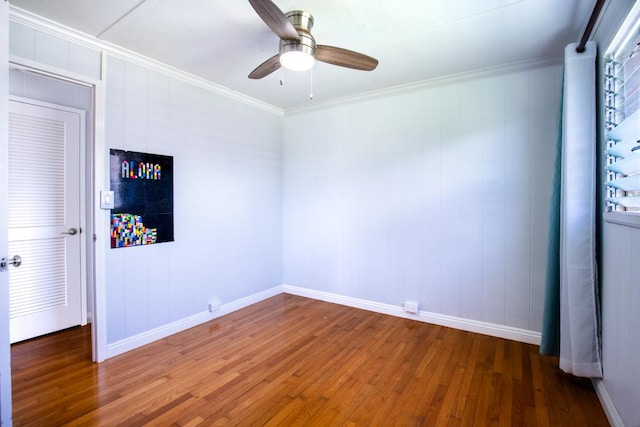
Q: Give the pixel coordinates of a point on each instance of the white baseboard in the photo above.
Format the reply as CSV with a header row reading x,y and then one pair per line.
x,y
152,335
147,337
492,329
607,403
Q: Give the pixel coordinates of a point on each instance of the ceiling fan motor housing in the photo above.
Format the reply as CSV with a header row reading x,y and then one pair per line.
x,y
302,22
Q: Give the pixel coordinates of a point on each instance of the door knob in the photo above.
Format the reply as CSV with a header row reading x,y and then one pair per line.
x,y
72,231
16,261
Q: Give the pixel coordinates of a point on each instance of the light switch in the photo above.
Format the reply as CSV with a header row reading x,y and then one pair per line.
x,y
106,199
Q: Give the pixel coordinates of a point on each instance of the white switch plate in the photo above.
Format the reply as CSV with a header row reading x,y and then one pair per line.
x,y
106,199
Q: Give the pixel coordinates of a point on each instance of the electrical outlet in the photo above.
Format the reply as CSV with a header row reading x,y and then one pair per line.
x,y
411,307
214,305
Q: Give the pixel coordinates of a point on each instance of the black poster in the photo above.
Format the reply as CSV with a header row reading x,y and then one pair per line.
x,y
143,198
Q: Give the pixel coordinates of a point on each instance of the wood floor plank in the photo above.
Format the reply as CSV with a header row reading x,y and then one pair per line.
x,y
295,361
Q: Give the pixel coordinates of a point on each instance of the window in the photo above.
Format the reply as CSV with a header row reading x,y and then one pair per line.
x,y
622,117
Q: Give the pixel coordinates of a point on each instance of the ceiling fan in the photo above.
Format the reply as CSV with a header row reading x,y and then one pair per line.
x,y
298,48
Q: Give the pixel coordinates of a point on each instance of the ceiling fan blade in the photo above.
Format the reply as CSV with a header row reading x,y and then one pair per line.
x,y
275,19
266,68
345,58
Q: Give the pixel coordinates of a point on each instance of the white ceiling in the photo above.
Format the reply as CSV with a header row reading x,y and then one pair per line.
x,y
414,40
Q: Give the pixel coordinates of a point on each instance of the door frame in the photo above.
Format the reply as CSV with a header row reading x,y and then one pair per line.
x,y
5,348
93,253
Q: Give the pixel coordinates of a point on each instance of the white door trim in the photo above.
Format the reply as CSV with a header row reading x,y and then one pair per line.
x,y
95,174
5,349
102,218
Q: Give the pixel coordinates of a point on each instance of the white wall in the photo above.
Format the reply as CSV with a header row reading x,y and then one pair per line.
x,y
227,200
43,47
439,196
621,319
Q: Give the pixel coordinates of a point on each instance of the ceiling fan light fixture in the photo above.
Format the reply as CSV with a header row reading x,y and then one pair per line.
x,y
296,60
298,55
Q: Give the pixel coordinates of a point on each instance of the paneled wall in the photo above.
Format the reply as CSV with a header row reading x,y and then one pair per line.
x,y
621,319
439,195
45,48
227,200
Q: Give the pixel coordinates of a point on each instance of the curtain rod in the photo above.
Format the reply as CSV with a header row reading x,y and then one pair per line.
x,y
592,23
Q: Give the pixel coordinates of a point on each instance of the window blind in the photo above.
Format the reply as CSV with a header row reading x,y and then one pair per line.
x,y
622,111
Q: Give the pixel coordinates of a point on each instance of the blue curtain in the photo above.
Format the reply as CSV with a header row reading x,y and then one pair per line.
x,y
550,343
571,318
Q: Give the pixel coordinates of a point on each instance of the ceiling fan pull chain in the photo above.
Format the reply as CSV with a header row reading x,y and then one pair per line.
x,y
281,77
311,83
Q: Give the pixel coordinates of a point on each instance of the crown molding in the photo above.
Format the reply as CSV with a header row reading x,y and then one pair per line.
x,y
39,23
434,82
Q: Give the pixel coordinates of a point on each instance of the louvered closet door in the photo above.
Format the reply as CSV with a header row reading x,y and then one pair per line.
x,y
44,204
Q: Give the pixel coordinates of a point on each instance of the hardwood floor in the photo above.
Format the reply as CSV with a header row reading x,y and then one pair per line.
x,y
296,361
